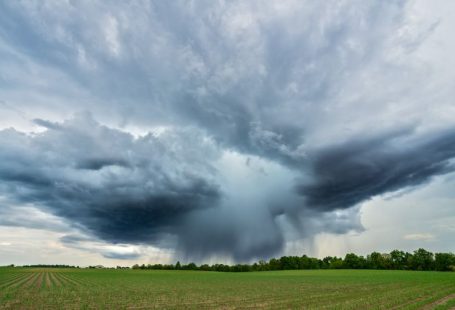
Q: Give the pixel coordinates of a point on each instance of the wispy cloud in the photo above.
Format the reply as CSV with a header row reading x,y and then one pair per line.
x,y
419,237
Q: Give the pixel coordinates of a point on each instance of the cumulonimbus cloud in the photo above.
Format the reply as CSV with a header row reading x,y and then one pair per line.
x,y
318,92
346,174
121,188
168,189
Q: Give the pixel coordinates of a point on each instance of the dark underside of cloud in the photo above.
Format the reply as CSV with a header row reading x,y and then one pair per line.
x,y
347,174
115,255
86,244
119,188
142,190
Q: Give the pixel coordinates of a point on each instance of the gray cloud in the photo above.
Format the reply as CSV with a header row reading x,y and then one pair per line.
x,y
89,244
116,255
26,216
241,235
150,189
351,172
314,90
120,188
168,190
240,70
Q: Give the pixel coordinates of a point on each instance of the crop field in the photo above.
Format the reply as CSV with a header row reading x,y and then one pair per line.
x,y
25,288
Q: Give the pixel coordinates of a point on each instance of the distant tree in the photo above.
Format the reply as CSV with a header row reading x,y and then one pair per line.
x,y
190,266
221,267
274,264
289,262
263,265
334,262
398,259
352,261
205,267
310,262
375,261
326,261
240,268
422,260
444,262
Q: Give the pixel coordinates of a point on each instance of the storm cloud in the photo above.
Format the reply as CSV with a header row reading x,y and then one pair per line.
x,y
346,174
219,129
121,188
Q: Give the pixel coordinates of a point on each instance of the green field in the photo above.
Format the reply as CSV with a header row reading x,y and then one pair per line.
x,y
310,289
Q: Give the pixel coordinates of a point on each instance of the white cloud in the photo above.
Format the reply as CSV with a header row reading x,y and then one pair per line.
x,y
419,237
111,33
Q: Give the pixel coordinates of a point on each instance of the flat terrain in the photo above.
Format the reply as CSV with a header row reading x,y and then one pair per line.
x,y
310,289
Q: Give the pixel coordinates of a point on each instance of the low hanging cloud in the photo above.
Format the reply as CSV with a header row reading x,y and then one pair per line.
x,y
346,174
88,244
176,189
120,188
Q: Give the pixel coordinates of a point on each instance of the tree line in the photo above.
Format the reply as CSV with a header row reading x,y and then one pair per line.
x,y
420,259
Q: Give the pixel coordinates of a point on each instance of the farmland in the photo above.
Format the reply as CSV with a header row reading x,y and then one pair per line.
x,y
49,288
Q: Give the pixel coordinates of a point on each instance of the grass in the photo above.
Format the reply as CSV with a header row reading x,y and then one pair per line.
x,y
309,289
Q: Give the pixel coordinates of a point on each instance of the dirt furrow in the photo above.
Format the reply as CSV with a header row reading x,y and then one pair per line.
x,y
39,282
30,282
439,301
10,278
73,281
48,280
67,281
13,280
21,281
53,278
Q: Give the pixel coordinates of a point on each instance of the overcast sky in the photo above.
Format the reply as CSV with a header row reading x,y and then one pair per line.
x,y
224,131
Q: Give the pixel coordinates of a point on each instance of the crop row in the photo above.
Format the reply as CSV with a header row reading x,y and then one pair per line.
x,y
41,279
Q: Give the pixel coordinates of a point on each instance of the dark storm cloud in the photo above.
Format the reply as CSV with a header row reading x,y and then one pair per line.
x,y
46,124
98,163
115,255
259,78
139,196
348,173
74,239
240,235
277,81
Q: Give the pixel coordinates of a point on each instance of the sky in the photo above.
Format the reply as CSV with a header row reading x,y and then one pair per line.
x,y
224,131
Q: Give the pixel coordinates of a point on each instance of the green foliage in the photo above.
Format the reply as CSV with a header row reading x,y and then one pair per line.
x,y
444,262
352,261
422,260
397,260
